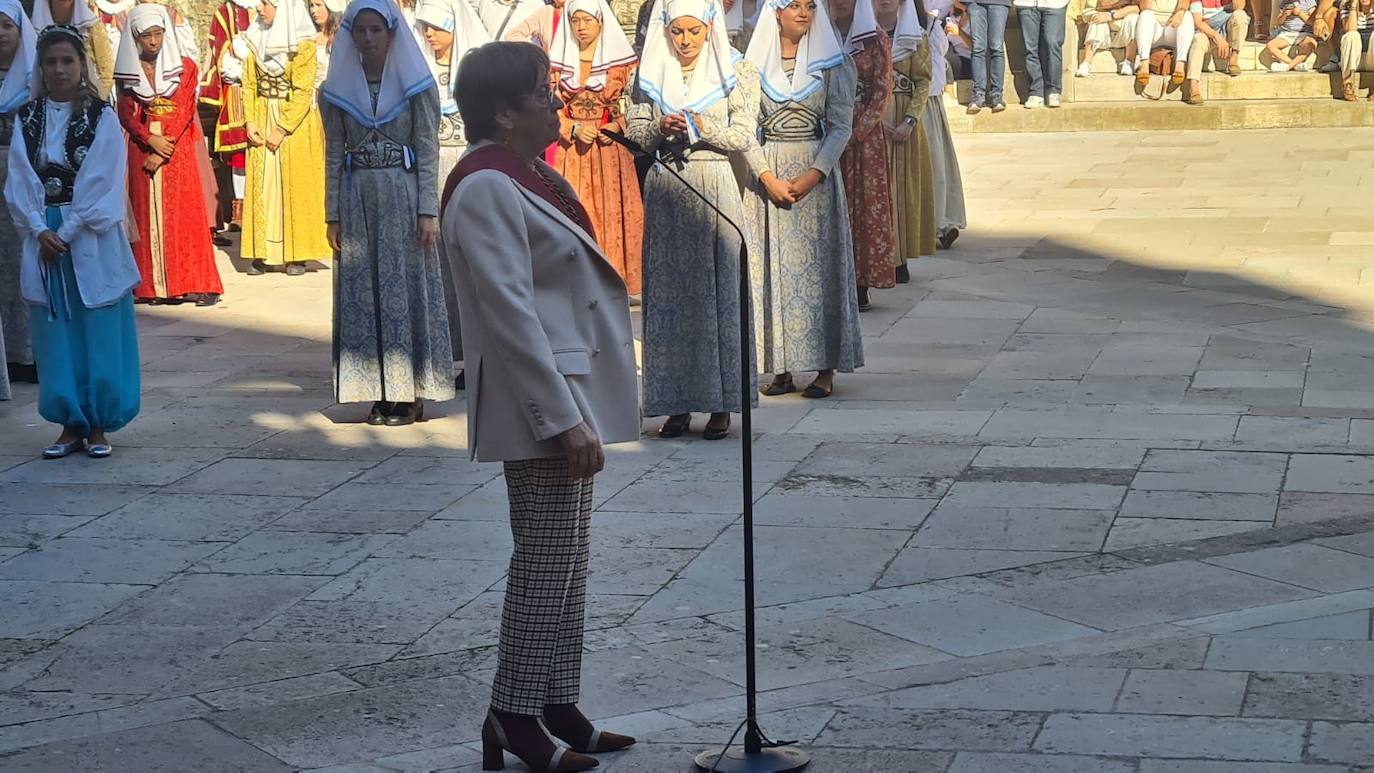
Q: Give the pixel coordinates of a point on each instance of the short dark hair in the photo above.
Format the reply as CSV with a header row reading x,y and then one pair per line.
x,y
495,76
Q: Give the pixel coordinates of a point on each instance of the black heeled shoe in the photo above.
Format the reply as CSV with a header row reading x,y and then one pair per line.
x,y
864,303
257,267
27,374
675,426
377,416
404,414
495,743
593,741
903,274
716,429
206,300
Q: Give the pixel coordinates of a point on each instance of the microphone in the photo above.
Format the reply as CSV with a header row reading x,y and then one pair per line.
x,y
663,155
667,160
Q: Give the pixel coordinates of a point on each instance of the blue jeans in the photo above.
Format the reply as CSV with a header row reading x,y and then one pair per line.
x,y
988,26
1043,28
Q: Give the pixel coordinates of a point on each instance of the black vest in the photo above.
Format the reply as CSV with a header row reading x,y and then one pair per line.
x,y
59,178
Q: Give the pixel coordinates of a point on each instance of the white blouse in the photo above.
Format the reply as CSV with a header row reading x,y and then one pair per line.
x,y
92,224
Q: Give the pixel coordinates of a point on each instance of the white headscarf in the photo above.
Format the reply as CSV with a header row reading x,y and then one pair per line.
x,y
819,50
82,15
906,38
128,70
863,26
660,73
501,16
273,46
405,74
613,49
114,7
457,17
15,90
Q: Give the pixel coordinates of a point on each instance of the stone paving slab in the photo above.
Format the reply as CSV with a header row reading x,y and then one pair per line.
x,y
1100,501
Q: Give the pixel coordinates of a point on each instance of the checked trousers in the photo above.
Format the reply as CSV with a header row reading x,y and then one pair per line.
x,y
539,662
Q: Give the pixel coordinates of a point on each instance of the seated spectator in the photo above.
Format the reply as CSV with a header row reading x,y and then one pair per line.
x,y
1221,28
1326,29
960,55
1163,26
1110,25
1291,42
1356,24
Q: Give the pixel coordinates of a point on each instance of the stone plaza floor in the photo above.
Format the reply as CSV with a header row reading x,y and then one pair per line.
x,y
1102,500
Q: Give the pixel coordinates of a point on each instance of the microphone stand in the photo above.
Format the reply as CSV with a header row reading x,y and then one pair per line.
x,y
754,756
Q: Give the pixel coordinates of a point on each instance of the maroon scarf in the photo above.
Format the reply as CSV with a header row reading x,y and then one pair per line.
x,y
502,160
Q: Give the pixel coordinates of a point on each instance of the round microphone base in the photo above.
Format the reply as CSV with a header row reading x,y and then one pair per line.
x,y
780,759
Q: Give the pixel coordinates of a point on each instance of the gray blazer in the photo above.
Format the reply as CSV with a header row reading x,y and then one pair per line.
x,y
546,323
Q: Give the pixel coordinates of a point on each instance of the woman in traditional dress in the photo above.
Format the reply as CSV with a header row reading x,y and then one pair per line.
x,y
66,194
447,30
99,52
697,98
17,41
950,214
284,222
806,307
593,60
157,107
864,163
381,110
913,190
325,15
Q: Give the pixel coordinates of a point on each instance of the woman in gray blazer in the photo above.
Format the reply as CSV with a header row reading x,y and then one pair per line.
x,y
551,377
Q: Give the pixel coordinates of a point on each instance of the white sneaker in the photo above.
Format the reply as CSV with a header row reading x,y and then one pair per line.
x,y
1084,70
1279,67
1302,67
1052,100
1035,102
1125,69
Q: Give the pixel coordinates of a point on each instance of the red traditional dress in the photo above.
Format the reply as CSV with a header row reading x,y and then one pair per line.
x,y
603,173
865,169
231,132
173,250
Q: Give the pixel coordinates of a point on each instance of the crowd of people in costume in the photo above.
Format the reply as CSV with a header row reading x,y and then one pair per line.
x,y
325,133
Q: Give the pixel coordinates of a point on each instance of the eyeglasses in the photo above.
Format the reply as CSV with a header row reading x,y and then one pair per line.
x,y
543,97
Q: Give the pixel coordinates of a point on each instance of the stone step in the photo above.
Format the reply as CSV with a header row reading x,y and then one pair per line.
x,y
1169,115
1215,87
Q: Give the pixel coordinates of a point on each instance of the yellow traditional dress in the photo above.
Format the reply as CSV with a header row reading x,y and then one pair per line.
x,y
283,218
913,180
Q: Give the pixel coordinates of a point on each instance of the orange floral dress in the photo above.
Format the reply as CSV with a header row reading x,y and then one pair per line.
x,y
865,169
603,173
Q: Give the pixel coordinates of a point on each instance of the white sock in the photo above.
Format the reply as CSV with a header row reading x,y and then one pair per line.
x,y
240,182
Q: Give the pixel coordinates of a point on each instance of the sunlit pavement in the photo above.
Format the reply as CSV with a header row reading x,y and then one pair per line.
x,y
1101,500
